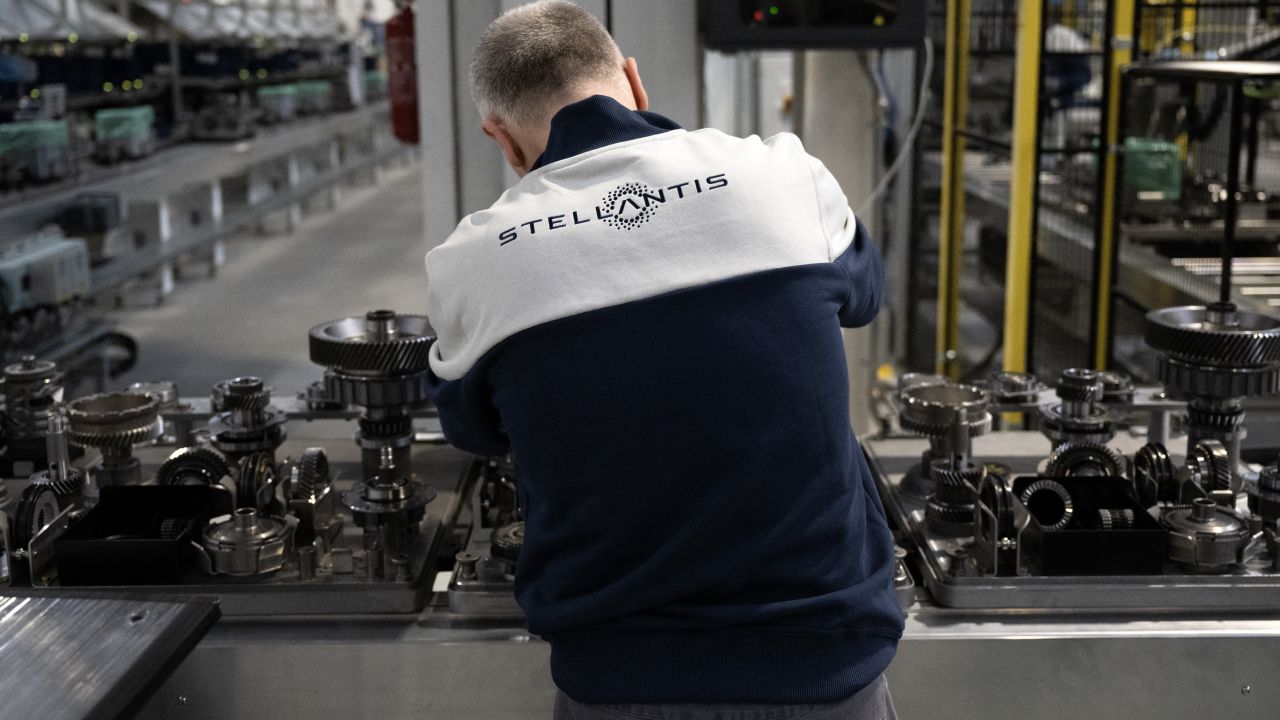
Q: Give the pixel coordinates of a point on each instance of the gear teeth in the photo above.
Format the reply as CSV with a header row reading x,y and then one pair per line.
x,y
1217,381
343,345
1180,332
1069,458
1210,460
26,515
1056,489
201,464
313,472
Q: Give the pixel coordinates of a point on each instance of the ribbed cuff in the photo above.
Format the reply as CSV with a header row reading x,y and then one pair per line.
x,y
793,666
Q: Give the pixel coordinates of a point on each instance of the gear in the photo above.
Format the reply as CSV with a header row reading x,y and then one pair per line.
x,y
1117,387
378,391
113,420
381,342
313,473
1085,458
1264,499
1154,475
255,476
246,393
393,427
931,410
1013,388
506,541
193,466
37,507
949,510
1209,462
1218,381
1050,503
1214,335
1218,421
69,486
1079,385
1116,519
165,392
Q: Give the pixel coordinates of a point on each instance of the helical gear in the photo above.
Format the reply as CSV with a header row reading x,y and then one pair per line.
x,y
1086,458
353,345
193,466
1209,461
1195,334
116,421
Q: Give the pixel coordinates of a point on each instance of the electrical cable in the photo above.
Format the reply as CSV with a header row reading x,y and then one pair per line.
x,y
909,141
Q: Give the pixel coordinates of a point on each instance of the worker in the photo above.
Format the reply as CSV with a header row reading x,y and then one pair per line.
x,y
649,320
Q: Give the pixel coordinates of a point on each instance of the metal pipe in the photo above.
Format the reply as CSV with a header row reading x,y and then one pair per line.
x,y
955,107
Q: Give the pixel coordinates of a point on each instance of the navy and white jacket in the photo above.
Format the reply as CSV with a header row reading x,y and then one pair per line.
x,y
650,320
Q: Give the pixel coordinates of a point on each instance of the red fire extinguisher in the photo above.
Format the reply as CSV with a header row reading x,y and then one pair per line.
x,y
402,74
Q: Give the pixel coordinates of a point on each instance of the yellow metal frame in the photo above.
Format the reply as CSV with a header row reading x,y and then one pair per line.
x,y
955,108
1023,225
1121,48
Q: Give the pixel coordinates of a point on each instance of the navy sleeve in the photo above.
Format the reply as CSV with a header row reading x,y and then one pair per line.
x,y
468,416
864,271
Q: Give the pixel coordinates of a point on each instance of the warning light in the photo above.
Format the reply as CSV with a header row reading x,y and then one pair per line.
x,y
108,87
774,10
759,16
127,85
35,93
244,74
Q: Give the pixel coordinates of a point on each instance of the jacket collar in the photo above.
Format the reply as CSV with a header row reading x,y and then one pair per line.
x,y
594,123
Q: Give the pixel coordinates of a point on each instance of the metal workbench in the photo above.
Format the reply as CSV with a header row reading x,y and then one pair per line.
x,y
1023,664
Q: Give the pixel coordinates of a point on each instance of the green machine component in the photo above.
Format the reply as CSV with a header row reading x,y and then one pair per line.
x,y
279,103
1152,167
34,150
314,96
43,270
375,84
124,133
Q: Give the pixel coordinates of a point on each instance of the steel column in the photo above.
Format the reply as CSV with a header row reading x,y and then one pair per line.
x,y
955,105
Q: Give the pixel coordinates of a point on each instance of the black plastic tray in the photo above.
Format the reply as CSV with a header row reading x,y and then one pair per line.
x,y
138,535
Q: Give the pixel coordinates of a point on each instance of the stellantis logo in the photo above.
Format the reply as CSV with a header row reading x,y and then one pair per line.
x,y
626,207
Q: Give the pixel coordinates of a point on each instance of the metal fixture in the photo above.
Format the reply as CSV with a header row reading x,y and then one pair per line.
x,y
246,422
1050,503
1000,529
1154,476
1077,417
177,431
1117,387
1205,536
1215,357
37,506
309,495
505,543
380,363
257,483
113,423
65,481
32,392
246,544
950,416
389,506
1264,497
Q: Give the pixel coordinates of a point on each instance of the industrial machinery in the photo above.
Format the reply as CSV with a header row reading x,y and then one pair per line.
x,y
1081,514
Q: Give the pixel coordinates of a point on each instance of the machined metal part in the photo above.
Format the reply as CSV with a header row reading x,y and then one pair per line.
x,y
1154,476
1264,496
1001,525
1086,458
247,423
381,342
1214,335
309,495
389,506
904,585
257,483
1117,387
33,392
166,393
37,506
113,423
246,544
317,397
949,510
1050,503
67,482
505,543
196,465
1014,388
381,363
1205,535
1209,465
1116,518
1077,416
932,410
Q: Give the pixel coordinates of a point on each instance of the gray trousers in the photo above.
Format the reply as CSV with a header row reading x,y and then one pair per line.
x,y
870,703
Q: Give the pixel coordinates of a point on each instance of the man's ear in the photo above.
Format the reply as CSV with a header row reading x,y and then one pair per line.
x,y
510,148
637,87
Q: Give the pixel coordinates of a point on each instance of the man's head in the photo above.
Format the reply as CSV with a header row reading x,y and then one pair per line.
x,y
534,60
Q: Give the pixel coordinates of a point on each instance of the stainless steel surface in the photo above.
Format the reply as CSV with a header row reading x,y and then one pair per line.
x,y
77,658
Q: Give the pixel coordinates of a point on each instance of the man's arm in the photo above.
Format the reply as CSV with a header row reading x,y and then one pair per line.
x,y
468,416
865,272
850,247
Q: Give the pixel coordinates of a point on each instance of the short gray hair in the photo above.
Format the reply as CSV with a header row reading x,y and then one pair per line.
x,y
533,54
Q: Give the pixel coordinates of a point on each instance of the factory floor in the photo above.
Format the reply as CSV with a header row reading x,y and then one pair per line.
x,y
253,317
